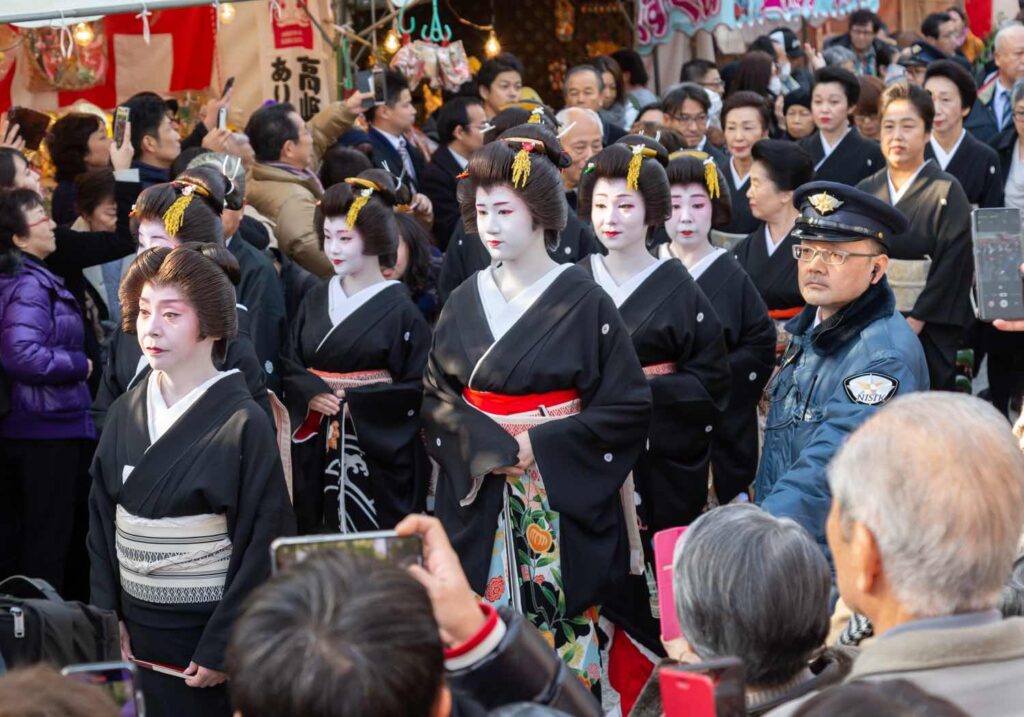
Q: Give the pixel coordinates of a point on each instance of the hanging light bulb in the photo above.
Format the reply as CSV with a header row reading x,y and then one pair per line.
x,y
391,42
492,47
84,34
227,13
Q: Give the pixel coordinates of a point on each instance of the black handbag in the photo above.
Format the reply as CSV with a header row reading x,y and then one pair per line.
x,y
37,625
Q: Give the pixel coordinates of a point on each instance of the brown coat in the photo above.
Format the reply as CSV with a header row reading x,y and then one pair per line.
x,y
289,200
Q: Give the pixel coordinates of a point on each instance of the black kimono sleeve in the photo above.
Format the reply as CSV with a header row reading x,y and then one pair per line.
x,y
263,512
945,297
241,354
79,250
299,384
593,452
458,258
992,187
110,383
104,571
754,352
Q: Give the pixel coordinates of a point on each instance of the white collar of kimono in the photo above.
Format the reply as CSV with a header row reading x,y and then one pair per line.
x,y
737,180
501,314
701,266
161,416
830,148
897,194
340,306
620,292
942,156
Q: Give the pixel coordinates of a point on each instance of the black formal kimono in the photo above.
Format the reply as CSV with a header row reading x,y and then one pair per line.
x,y
750,339
775,276
125,369
681,347
179,585
439,181
741,221
260,292
553,541
940,231
466,254
369,470
855,158
976,166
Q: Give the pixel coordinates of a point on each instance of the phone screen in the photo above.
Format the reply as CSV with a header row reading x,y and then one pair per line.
x,y
120,121
998,253
383,545
116,679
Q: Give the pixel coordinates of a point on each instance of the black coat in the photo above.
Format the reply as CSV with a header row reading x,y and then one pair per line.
x,y
741,221
260,292
855,158
774,276
384,151
438,182
977,167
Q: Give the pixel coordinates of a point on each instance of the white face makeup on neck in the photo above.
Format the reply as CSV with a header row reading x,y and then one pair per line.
x,y
618,214
343,246
153,233
690,223
505,223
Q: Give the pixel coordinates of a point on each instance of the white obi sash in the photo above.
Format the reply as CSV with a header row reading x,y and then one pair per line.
x,y
173,561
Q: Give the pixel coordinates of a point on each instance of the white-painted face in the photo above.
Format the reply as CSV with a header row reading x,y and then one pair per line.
x,y
152,233
505,223
690,223
343,246
168,329
618,214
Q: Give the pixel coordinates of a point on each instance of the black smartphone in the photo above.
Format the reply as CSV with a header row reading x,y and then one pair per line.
x,y
32,125
227,86
120,123
384,545
120,680
998,254
729,679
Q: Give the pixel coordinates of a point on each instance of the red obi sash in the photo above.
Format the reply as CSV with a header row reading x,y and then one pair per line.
x,y
501,404
782,314
660,369
336,381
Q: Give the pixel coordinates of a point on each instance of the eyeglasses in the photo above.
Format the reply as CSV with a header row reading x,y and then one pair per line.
x,y
690,119
713,83
832,257
44,220
1018,115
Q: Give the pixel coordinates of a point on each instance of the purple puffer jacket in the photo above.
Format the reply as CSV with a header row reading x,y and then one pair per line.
x,y
41,350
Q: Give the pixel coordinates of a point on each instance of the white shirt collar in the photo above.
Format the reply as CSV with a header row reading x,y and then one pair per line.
x,y
738,181
395,140
620,292
941,155
896,195
459,159
340,305
161,416
702,144
501,314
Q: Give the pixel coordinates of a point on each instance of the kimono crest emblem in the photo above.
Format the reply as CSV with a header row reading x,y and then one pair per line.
x,y
825,203
871,389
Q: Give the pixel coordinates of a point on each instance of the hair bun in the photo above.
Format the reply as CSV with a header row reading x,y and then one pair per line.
x,y
387,192
210,180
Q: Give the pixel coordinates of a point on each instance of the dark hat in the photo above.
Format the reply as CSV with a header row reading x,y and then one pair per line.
x,y
799,97
791,43
830,211
921,53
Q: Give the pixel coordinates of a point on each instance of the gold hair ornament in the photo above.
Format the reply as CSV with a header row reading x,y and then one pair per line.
x,y
362,197
536,115
710,169
174,217
633,175
521,164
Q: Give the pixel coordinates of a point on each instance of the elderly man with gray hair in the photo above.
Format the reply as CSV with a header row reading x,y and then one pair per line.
x,y
756,587
927,509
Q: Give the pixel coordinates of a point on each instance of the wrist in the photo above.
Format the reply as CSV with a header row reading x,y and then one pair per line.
x,y
476,622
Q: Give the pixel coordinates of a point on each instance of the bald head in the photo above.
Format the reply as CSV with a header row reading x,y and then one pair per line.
x,y
582,141
1009,54
938,481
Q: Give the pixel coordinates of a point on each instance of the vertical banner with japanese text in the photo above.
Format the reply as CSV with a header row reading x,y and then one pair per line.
x,y
296,65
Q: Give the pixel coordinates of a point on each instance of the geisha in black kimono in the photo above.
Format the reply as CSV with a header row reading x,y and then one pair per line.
x,y
188,490
354,373
698,191
536,407
675,331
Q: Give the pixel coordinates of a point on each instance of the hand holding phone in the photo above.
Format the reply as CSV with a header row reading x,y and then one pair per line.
x,y
120,680
998,253
386,545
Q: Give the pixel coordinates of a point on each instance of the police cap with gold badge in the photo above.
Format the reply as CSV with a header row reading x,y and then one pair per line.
x,y
921,53
830,211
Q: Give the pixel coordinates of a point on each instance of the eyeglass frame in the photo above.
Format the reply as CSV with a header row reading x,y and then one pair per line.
x,y
687,120
798,249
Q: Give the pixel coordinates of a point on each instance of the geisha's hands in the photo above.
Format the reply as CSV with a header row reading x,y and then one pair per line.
x,y
526,458
456,609
326,403
203,676
126,642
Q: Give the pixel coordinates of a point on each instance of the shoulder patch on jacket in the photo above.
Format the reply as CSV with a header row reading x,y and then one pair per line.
x,y
870,389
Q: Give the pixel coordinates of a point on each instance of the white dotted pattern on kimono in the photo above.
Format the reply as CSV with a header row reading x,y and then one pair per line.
x,y
700,316
411,413
605,329
608,457
268,367
406,336
568,251
753,376
707,429
438,441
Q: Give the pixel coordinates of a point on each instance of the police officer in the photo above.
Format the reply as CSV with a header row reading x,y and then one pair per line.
x,y
850,351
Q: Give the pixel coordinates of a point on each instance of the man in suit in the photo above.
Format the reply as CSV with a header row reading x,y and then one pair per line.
x,y
924,535
687,108
460,124
993,112
583,88
388,124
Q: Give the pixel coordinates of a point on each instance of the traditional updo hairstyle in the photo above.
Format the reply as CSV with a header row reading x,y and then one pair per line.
x,y
528,160
519,113
189,207
367,202
641,161
691,166
201,280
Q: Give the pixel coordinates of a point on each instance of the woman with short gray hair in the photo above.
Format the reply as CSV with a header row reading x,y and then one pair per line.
x,y
756,587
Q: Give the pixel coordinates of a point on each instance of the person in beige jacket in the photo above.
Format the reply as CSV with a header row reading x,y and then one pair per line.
x,y
928,506
284,187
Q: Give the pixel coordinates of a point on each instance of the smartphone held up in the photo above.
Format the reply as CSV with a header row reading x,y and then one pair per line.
x,y
386,545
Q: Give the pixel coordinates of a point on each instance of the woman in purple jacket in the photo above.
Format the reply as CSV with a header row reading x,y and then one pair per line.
x,y
46,434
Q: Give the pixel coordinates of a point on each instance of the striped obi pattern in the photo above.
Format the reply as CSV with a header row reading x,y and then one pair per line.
x,y
173,561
